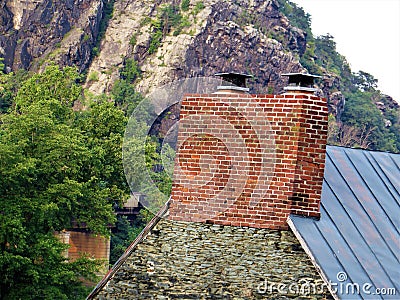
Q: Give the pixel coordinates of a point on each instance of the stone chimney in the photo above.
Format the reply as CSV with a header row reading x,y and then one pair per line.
x,y
250,160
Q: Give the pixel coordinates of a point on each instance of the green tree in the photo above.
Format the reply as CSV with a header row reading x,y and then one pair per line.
x,y
53,174
185,5
365,81
169,16
2,65
41,193
131,71
162,178
52,84
103,125
333,130
360,112
9,85
125,96
124,234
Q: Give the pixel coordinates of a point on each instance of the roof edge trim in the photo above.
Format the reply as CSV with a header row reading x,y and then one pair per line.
x,y
311,256
153,222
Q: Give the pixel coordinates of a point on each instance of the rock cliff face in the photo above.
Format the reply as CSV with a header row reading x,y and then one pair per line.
x,y
127,22
241,46
222,36
242,36
331,90
36,31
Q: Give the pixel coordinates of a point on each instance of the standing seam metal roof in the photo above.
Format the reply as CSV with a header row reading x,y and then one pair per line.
x,y
356,242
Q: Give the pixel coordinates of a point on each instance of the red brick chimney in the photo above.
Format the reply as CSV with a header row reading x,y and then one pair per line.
x,y
250,160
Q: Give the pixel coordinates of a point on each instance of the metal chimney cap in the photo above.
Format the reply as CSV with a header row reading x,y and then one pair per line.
x,y
238,79
303,74
302,82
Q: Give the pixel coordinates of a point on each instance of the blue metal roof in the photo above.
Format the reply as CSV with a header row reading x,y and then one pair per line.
x,y
356,243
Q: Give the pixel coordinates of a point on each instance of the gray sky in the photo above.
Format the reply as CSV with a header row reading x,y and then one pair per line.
x,y
366,32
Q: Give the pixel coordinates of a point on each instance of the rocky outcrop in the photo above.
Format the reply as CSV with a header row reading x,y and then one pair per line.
x,y
127,22
222,36
36,31
386,103
241,36
331,90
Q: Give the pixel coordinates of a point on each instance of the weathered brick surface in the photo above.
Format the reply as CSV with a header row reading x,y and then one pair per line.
x,y
180,260
249,160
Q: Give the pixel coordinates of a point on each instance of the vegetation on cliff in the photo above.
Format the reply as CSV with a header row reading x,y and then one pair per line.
x,y
361,124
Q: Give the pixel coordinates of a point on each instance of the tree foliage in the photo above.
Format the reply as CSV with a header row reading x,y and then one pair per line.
x,y
125,96
185,5
58,169
131,71
124,234
364,81
362,114
169,17
9,85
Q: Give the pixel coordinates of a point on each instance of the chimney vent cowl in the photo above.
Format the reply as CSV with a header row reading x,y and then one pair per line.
x,y
300,83
233,82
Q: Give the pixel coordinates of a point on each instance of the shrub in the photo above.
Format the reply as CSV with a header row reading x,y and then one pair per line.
x,y
133,40
185,5
198,7
93,76
130,71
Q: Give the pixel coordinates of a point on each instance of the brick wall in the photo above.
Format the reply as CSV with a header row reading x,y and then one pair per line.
x,y
82,243
249,160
